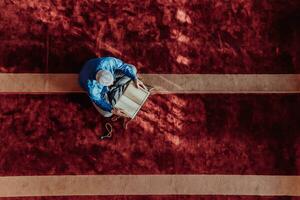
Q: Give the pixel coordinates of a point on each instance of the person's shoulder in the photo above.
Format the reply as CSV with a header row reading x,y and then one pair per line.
x,y
110,58
93,84
102,59
94,87
110,62
99,63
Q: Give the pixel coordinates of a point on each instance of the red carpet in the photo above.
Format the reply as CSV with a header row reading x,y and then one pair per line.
x,y
156,36
189,134
180,134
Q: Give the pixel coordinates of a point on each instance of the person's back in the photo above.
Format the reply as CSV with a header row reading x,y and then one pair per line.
x,y
88,69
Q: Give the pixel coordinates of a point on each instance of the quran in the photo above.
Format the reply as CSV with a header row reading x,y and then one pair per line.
x,y
132,100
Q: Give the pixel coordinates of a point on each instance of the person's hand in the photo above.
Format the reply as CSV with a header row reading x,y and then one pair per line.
x,y
119,112
139,84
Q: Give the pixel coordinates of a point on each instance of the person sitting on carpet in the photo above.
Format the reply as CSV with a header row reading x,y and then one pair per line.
x,y
105,79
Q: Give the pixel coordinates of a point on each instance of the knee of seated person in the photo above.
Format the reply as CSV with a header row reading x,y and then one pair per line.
x,y
134,69
107,114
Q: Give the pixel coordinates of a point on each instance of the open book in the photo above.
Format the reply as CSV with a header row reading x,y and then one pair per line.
x,y
132,100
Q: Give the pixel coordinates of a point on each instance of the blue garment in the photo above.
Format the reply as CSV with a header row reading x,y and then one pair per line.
x,y
96,91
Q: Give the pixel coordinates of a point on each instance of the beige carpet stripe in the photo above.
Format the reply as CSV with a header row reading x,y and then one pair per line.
x,y
163,83
14,186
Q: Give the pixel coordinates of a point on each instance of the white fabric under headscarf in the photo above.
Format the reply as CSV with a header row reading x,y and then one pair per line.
x,y
104,77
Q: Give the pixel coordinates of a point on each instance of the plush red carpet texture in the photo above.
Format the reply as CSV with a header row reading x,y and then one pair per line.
x,y
157,36
155,197
174,134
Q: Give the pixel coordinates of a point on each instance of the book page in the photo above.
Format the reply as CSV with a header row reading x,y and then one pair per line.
x,y
129,106
135,94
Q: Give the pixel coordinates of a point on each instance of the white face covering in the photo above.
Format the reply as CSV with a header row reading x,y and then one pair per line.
x,y
104,77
